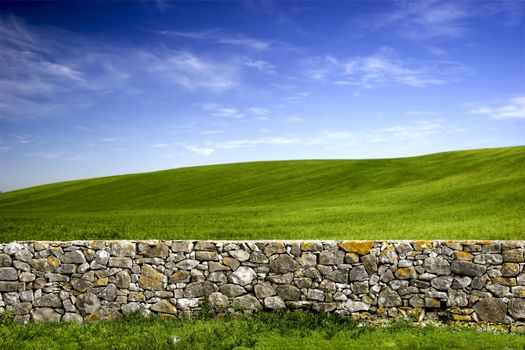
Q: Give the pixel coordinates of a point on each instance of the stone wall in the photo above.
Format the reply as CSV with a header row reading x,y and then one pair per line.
x,y
93,280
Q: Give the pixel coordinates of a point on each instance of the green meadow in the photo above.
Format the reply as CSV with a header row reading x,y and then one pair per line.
x,y
263,331
477,194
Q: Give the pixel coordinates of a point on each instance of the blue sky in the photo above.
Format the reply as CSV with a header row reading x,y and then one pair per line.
x,y
99,88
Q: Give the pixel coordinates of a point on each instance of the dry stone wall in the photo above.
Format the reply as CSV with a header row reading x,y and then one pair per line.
x,y
94,280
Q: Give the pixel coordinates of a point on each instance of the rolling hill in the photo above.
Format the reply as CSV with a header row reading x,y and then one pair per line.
x,y
478,194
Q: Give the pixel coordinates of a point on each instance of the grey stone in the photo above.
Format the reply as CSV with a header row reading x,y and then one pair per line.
x,y
356,306
180,276
491,309
122,262
87,303
130,308
206,256
315,294
437,265
274,248
80,284
45,314
182,246
286,278
217,277
67,269
203,245
274,303
159,250
461,282
109,293
23,255
303,282
488,259
72,317
258,257
21,308
324,307
243,276
287,292
8,274
517,308
513,255
247,302
187,264
498,290
27,277
264,290
331,257
5,260
232,290
339,276
26,295
13,248
308,259
74,257
442,282
370,263
8,286
102,257
187,304
283,264
240,255
123,248
327,286
361,287
389,298
466,268
218,300
49,300
122,279
199,289
358,273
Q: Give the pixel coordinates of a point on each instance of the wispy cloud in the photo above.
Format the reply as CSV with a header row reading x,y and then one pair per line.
x,y
211,147
201,151
297,97
436,18
111,139
294,119
23,139
220,37
383,68
258,111
261,65
514,108
222,111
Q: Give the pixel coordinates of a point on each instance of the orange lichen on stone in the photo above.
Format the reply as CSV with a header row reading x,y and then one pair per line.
x,y
463,256
505,281
422,245
101,282
361,248
51,260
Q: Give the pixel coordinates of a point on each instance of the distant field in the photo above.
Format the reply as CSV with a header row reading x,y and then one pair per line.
x,y
263,331
477,194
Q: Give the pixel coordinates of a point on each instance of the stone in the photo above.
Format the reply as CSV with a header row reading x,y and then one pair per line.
x,y
130,308
240,255
243,275
5,260
67,269
283,264
258,258
331,257
26,295
217,277
287,292
389,298
218,300
465,268
164,306
327,286
187,304
437,265
123,248
187,264
356,306
338,276
491,309
180,276
405,273
498,290
27,277
274,248
370,263
40,265
21,308
122,279
72,317
159,250
388,255
182,246
488,259
274,303
23,255
513,255
48,300
124,263
80,284
231,263
105,314
303,282
463,256
286,278
264,290
8,274
199,289
358,273
13,248
215,266
87,303
102,257
45,314
510,269
315,294
232,290
152,279
361,287
461,282
247,302
359,247
74,257
206,256
203,245
109,293
442,282
517,308
351,258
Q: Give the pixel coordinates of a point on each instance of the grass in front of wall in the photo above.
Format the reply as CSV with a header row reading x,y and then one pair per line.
x,y
277,330
477,194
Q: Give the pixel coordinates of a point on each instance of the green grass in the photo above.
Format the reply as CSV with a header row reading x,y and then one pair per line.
x,y
477,194
278,330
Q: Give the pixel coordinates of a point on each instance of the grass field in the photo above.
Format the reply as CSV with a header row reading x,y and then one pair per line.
x,y
478,194
278,330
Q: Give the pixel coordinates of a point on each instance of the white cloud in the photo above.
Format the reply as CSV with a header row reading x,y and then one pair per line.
x,y
244,143
260,65
220,37
294,119
258,110
514,108
201,151
383,68
222,111
160,145
297,97
23,139
111,139
212,132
